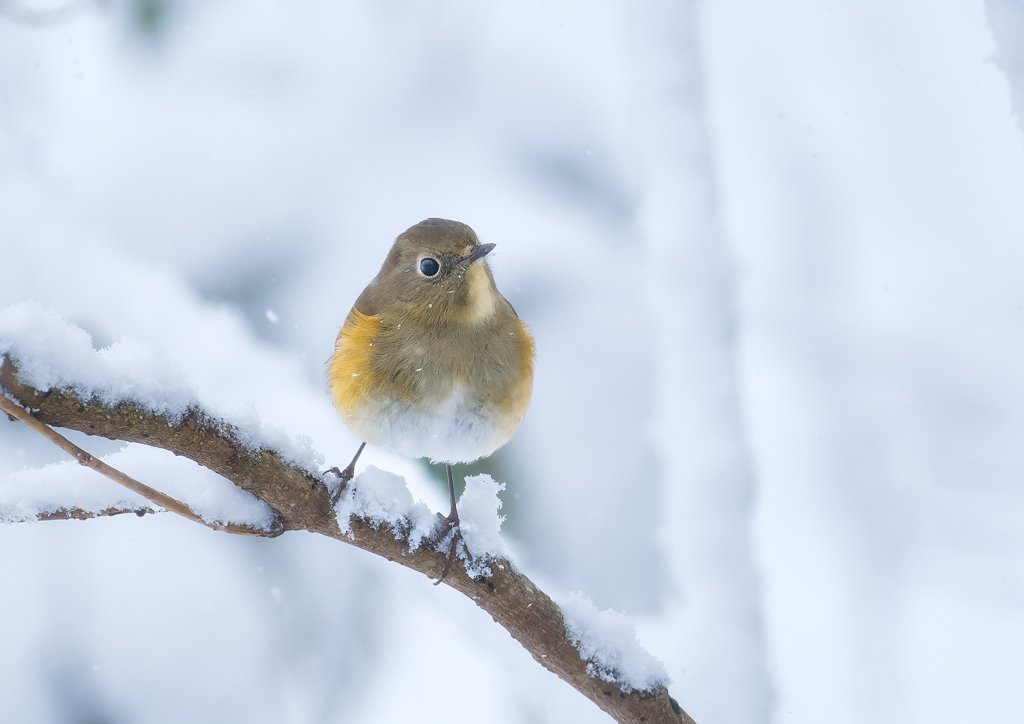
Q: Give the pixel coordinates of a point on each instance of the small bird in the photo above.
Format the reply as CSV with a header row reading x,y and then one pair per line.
x,y
432,361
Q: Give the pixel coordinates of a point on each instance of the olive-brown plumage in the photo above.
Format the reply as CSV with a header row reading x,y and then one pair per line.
x,y
432,360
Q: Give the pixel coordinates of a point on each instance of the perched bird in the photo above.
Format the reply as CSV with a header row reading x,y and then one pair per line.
x,y
432,361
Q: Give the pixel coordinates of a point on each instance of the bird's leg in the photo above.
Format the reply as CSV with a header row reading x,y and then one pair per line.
x,y
451,523
345,475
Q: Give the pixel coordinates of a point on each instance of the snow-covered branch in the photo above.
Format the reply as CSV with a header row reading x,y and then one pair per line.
x,y
72,513
300,500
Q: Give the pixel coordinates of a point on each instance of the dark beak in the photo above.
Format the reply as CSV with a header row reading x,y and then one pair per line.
x,y
479,252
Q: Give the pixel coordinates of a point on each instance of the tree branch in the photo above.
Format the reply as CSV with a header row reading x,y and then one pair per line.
x,y
301,501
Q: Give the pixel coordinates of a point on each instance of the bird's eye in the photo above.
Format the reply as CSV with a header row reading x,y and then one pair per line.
x,y
429,267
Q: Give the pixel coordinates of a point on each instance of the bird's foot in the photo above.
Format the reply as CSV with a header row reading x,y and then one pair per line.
x,y
345,476
451,525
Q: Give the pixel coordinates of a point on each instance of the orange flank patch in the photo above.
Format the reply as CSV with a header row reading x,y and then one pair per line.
x,y
517,398
351,371
529,351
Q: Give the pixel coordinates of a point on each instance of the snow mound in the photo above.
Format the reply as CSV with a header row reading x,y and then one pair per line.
x,y
383,498
479,519
53,353
607,641
480,524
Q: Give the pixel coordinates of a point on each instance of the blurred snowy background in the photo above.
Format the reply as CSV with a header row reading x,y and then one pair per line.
x,y
773,256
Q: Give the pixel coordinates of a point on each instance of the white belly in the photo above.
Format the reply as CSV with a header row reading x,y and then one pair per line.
x,y
458,430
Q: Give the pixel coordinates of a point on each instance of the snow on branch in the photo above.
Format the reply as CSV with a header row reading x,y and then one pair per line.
x,y
50,376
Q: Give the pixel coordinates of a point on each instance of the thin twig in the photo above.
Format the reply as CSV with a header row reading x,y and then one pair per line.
x,y
80,514
152,495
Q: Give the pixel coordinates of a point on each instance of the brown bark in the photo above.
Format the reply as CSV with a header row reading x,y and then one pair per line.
x,y
301,501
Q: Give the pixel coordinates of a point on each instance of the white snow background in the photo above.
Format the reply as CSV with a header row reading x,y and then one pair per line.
x,y
772,254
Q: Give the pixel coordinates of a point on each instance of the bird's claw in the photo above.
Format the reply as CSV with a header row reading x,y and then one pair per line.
x,y
451,524
345,475
344,478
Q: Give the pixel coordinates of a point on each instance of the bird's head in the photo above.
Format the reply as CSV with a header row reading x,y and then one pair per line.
x,y
436,273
